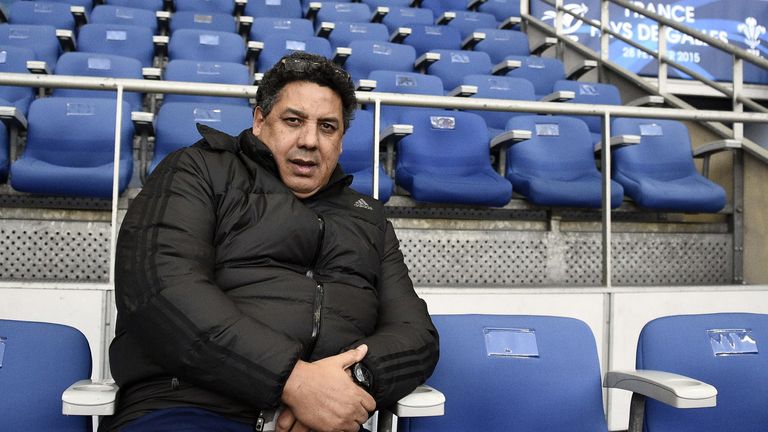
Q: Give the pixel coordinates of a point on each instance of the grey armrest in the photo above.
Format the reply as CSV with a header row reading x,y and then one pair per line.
x,y
379,14
38,67
505,66
254,48
544,45
244,24
473,39
619,141
425,60
240,7
66,39
650,100
676,390
473,5
143,123
257,77
581,69
325,29
152,73
399,35
161,45
500,143
559,96
314,7
510,22
3,18
424,401
341,55
463,91
445,18
163,19
78,12
388,138
13,117
89,398
713,147
365,85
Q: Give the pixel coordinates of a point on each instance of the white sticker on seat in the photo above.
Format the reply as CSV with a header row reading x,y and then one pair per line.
x,y
99,63
209,39
208,115
547,129
443,122
731,342
80,109
651,129
203,19
511,342
295,45
116,35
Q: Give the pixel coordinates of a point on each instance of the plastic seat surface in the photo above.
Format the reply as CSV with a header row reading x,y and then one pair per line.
x,y
212,21
267,26
591,93
357,157
345,12
53,14
206,45
277,46
125,15
499,43
117,39
433,37
368,56
455,64
153,5
274,8
405,83
499,87
542,72
41,39
344,33
501,9
14,59
99,65
217,6
207,72
406,16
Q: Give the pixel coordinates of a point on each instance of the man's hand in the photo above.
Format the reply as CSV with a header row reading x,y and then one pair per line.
x,y
287,422
322,396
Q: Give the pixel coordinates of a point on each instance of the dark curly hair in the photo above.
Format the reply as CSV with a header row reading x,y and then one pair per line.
x,y
302,66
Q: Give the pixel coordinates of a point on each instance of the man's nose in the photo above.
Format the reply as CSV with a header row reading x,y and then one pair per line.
x,y
308,137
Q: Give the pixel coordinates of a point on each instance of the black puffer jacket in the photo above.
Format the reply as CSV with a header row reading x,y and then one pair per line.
x,y
221,271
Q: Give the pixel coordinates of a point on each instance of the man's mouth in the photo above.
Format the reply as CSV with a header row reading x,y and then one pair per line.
x,y
303,166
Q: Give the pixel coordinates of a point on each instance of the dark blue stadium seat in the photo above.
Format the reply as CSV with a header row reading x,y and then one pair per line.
x,y
14,59
204,45
467,22
406,16
345,33
267,26
80,161
447,160
209,21
117,39
274,8
99,65
404,83
722,349
176,122
542,72
41,13
439,7
591,93
343,12
39,38
659,173
208,72
357,157
39,362
455,64
433,37
556,167
217,6
515,373
152,5
500,43
111,14
499,87
501,9
277,46
368,56
5,158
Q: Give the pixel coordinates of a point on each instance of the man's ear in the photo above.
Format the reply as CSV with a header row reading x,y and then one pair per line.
x,y
258,121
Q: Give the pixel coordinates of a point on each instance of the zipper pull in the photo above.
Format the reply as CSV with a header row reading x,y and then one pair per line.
x,y
259,425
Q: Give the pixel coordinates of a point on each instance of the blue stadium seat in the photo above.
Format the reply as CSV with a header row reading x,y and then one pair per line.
x,y
659,173
439,7
515,373
87,4
591,93
208,72
208,21
455,64
266,26
4,149
447,160
388,3
357,157
542,72
14,59
368,56
176,122
433,37
99,65
111,14
500,43
39,361
499,87
501,9
41,13
277,46
467,22
152,5
556,167
404,83
407,16
204,45
39,38
345,33
343,12
722,349
217,6
274,8
80,161
117,39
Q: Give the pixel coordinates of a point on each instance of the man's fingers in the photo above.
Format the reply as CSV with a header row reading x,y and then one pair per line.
x,y
285,421
353,356
368,403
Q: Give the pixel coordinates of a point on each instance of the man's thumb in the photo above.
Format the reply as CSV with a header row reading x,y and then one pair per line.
x,y
353,356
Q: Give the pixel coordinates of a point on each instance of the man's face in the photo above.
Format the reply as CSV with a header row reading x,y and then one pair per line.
x,y
304,132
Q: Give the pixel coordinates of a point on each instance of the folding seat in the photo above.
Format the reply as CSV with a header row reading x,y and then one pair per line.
x,y
188,44
41,39
426,38
721,349
14,59
407,16
357,157
176,124
274,8
111,14
117,39
208,72
80,161
86,4
404,83
53,14
344,33
277,46
467,22
453,65
659,173
368,56
542,72
208,21
152,5
343,12
99,65
501,9
556,166
591,93
38,361
499,87
447,160
266,26
217,6
439,7
499,43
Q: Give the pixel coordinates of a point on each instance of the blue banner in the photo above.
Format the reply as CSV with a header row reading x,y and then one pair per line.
x,y
740,23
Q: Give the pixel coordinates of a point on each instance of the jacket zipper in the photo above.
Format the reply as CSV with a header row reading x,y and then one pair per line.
x,y
319,293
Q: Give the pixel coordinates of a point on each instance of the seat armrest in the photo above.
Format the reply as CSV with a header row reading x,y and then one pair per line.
x,y
581,69
463,91
314,7
509,138
650,100
379,14
143,123
325,29
394,133
3,18
152,73
559,96
544,45
619,141
424,401
676,390
365,85
89,398
510,22
38,67
244,24
161,45
257,77
163,19
473,39
473,5
78,12
341,54
254,48
399,35
240,7
505,66
66,40
712,147
425,60
445,18
12,117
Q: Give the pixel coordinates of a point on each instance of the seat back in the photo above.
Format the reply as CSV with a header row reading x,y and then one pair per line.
x,y
404,83
14,59
125,15
117,39
407,16
204,45
368,56
152,5
515,373
209,21
388,3
591,93
499,43
217,6
38,361
344,33
87,4
499,87
99,65
343,12
277,46
357,157
722,349
41,39
41,13
265,26
433,37
455,64
273,8
467,22
439,7
501,9
542,72
206,72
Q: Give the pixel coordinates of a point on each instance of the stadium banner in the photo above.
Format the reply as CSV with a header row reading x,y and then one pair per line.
x,y
741,23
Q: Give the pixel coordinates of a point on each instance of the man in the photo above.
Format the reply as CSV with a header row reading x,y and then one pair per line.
x,y
251,278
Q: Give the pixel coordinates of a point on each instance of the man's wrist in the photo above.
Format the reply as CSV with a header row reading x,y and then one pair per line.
x,y
362,376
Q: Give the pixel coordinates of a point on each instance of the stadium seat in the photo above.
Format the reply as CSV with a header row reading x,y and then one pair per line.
x,y
447,160
208,72
556,167
277,46
591,93
343,12
152,5
542,72
176,122
357,157
659,173
467,22
499,87
117,39
368,56
501,9
403,83
38,361
14,59
274,8
388,3
267,26
455,64
99,65
515,373
53,14
87,4
433,37
80,161
5,152
439,7
134,16
343,33
204,45
407,16
216,6
41,39
500,43
208,21
721,349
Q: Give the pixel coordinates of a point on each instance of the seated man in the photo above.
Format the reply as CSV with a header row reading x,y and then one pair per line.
x,y
255,288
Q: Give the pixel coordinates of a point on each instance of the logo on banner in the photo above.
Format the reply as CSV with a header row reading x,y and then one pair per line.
x,y
570,23
752,31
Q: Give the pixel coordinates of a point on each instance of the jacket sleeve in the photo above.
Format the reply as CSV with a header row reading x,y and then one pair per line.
x,y
403,351
168,300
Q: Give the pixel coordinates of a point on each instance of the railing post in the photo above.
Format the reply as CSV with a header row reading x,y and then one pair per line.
x,y
662,59
376,162
605,41
738,175
115,184
605,162
525,8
